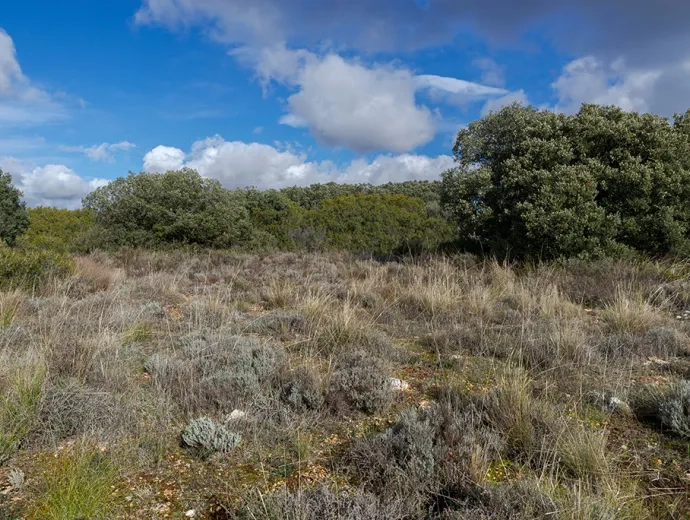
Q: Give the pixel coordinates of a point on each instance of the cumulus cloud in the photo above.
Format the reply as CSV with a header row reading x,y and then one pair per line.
x,y
594,81
238,164
362,107
651,37
50,185
101,152
365,109
164,158
21,103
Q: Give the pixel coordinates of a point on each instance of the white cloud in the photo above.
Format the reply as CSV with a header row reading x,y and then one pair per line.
x,y
347,104
362,107
21,103
238,164
492,72
591,80
101,152
50,185
494,105
163,158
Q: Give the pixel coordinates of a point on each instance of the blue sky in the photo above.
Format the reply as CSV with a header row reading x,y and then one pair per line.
x,y
274,93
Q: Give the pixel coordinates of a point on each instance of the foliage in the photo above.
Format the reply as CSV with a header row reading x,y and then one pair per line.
x,y
311,197
273,213
534,183
14,219
668,406
28,268
207,435
362,381
176,207
57,229
377,224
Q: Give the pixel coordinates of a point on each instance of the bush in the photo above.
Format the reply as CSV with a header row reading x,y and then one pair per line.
x,y
668,406
208,372
302,391
534,183
177,207
58,229
319,504
362,382
14,219
376,224
208,436
29,268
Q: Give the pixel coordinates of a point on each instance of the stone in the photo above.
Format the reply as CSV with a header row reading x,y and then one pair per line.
x,y
236,415
399,385
190,514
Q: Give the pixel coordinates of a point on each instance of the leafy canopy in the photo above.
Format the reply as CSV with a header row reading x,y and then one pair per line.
x,y
14,219
534,183
179,207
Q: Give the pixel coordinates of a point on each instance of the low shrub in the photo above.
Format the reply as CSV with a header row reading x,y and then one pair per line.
x,y
668,406
302,391
207,436
209,372
29,268
320,503
362,382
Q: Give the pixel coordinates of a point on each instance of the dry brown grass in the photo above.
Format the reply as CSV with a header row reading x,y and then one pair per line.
x,y
137,343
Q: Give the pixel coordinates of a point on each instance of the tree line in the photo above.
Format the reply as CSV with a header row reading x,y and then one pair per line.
x,y
527,184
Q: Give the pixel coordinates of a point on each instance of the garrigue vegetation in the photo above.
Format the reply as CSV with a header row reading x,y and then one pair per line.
x,y
330,352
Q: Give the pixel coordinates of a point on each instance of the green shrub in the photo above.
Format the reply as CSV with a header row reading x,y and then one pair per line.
x,y
208,436
28,268
362,382
534,183
176,207
376,224
14,219
58,229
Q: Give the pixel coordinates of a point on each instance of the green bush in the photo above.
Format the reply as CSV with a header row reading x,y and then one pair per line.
x,y
177,207
376,224
14,219
28,268
57,229
534,183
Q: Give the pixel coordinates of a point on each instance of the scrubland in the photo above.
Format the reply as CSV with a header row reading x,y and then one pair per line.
x,y
325,386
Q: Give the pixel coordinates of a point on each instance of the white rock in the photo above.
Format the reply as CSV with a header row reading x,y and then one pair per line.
x,y
190,514
398,384
619,406
236,415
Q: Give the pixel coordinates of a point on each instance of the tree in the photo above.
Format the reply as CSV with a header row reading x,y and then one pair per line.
x,y
178,207
533,183
14,219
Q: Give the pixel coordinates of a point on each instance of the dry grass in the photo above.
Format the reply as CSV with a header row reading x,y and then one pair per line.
x,y
496,359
